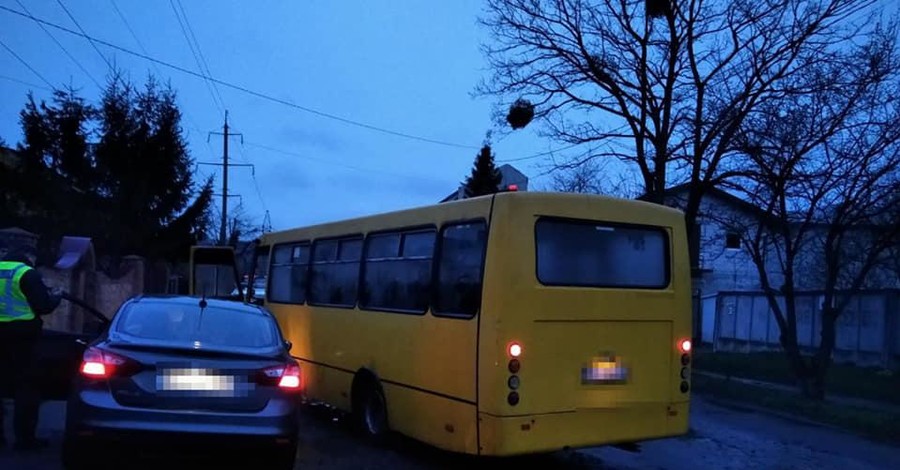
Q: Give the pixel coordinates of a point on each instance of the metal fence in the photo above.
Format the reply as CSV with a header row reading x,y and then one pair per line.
x,y
868,331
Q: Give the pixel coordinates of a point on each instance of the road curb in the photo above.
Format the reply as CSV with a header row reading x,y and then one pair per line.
x,y
741,406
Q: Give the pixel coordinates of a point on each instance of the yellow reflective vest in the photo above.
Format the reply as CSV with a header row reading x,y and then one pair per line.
x,y
13,304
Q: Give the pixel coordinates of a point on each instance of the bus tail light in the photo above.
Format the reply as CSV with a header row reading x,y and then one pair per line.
x,y
685,346
514,349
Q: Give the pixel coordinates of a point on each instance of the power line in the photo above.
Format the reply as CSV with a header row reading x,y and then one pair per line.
x,y
108,64
537,155
190,29
23,82
140,44
187,38
26,64
253,175
334,163
130,30
241,88
66,51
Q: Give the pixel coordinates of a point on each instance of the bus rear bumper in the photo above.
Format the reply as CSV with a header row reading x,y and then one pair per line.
x,y
516,435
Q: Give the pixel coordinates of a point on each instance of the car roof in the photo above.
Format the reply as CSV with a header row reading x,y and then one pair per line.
x,y
193,300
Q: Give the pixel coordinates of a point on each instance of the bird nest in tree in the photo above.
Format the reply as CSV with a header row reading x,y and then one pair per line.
x,y
658,8
520,113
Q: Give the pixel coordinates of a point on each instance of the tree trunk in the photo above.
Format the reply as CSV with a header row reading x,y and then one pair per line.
x,y
802,371
822,360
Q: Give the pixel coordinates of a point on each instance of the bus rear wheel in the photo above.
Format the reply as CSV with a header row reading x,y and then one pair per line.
x,y
371,412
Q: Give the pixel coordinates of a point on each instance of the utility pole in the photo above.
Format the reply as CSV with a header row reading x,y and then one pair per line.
x,y
223,239
267,223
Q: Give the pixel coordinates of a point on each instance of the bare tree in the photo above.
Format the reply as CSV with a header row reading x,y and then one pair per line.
x,y
593,177
665,92
239,226
824,166
580,179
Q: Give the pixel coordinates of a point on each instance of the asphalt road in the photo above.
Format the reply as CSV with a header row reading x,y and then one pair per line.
x,y
721,438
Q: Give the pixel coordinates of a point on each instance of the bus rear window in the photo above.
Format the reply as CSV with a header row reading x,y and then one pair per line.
x,y
593,254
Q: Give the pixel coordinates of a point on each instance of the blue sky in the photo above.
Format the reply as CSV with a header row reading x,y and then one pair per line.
x,y
409,66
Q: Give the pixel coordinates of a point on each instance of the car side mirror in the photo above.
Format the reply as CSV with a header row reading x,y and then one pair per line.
x,y
288,345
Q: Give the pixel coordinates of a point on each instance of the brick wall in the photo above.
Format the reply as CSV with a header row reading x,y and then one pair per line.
x,y
96,289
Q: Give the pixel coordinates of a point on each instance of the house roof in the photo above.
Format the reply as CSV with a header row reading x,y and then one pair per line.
x,y
715,192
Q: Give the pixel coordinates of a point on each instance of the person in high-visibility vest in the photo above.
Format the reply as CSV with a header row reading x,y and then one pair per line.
x,y
24,298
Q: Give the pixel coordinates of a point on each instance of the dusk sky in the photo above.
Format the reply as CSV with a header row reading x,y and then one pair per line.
x,y
405,66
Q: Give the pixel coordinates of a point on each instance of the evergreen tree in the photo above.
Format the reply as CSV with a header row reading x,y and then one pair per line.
x,y
485,177
131,191
56,176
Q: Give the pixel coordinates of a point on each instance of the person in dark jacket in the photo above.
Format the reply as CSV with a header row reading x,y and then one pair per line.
x,y
24,299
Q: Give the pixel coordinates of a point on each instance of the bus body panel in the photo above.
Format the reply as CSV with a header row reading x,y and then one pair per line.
x,y
426,364
567,331
516,435
446,380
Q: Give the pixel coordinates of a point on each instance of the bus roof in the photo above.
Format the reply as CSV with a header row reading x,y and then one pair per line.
x,y
530,197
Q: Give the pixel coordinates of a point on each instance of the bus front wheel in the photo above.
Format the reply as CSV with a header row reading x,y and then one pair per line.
x,y
371,411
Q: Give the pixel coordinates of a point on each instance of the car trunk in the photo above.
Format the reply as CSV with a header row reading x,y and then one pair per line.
x,y
185,379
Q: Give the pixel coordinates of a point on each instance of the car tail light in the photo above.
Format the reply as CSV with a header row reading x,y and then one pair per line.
x,y
285,376
101,364
291,378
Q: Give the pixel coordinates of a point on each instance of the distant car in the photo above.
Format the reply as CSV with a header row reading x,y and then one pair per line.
x,y
259,288
176,372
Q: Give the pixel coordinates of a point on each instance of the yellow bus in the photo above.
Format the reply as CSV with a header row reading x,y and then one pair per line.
x,y
508,324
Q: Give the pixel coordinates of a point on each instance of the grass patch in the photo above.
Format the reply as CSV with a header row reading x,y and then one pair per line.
x,y
848,380
879,425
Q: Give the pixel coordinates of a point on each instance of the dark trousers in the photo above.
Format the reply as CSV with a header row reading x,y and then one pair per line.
x,y
18,341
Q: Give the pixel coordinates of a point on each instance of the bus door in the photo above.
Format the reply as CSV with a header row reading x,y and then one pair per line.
x,y
214,273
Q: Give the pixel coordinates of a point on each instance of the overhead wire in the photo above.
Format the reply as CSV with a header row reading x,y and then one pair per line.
x,y
140,44
90,40
203,65
219,106
537,155
242,89
334,163
23,82
190,29
26,64
66,51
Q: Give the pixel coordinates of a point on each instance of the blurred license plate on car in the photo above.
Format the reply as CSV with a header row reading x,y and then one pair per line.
x,y
194,380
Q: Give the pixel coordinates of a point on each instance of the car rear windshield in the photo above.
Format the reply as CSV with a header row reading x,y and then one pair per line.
x,y
584,253
216,326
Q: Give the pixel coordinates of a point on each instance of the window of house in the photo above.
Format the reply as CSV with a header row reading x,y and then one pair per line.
x,y
289,274
460,268
334,272
733,240
397,271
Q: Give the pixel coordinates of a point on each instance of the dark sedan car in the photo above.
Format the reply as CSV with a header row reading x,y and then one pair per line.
x,y
175,373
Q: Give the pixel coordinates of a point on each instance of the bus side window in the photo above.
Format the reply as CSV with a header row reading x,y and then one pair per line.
x,y
397,273
460,266
289,274
334,273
